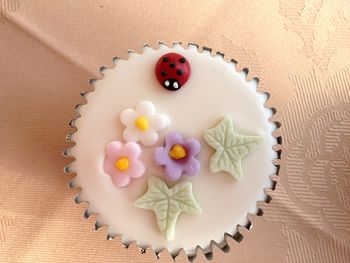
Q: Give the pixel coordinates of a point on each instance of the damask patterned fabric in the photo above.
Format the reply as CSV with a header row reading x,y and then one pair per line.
x,y
299,50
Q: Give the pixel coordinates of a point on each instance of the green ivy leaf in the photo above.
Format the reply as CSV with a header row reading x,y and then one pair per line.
x,y
168,204
230,147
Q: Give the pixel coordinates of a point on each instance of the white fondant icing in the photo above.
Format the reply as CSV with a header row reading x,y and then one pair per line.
x,y
213,90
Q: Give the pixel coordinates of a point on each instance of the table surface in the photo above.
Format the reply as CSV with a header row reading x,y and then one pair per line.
x,y
299,50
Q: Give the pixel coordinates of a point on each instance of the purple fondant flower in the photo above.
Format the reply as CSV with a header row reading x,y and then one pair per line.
x,y
178,156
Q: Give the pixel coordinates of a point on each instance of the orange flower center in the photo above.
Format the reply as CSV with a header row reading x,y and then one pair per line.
x,y
122,164
177,152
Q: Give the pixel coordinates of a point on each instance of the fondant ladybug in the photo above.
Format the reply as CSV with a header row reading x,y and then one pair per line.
x,y
172,71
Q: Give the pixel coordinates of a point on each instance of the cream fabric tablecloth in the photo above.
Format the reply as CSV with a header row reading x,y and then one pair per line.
x,y
300,51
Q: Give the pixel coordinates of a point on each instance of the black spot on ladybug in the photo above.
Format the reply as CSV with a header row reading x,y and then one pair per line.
x,y
179,72
163,73
166,59
172,65
182,60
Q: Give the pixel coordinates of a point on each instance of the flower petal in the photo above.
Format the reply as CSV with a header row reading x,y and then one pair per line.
x,y
145,108
149,138
193,146
137,169
173,138
192,166
113,149
161,156
159,122
131,135
121,180
131,150
127,117
173,171
108,166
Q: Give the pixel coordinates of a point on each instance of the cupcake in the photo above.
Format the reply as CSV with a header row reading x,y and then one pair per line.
x,y
173,149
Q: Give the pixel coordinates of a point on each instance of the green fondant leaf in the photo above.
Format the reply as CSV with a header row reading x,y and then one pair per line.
x,y
167,203
230,147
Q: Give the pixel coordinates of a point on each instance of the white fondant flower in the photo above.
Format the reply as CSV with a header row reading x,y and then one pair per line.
x,y
143,123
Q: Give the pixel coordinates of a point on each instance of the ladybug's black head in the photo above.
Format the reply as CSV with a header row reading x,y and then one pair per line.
x,y
171,84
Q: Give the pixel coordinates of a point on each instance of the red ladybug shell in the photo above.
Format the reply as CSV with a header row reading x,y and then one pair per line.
x,y
172,71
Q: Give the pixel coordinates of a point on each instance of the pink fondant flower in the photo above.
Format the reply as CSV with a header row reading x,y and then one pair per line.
x,y
122,162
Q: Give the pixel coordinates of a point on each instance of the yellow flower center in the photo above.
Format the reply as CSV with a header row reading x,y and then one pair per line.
x,y
122,164
177,152
142,123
